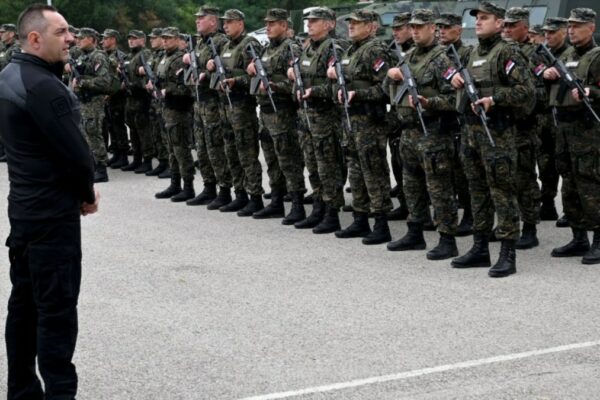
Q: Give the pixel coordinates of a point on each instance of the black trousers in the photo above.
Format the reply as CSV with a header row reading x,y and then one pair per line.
x,y
45,271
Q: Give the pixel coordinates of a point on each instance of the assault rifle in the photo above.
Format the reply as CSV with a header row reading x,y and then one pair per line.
x,y
151,76
74,71
193,68
410,86
219,75
341,81
568,80
299,83
471,90
123,71
261,75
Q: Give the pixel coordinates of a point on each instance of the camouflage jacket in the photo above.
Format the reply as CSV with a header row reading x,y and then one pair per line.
x,y
7,53
96,77
132,66
276,60
170,73
203,54
236,58
314,62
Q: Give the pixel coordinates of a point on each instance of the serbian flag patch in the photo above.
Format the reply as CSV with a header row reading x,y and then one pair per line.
x,y
449,73
508,67
539,69
378,64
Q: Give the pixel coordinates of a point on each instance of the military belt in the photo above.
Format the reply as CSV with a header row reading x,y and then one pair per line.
x,y
375,110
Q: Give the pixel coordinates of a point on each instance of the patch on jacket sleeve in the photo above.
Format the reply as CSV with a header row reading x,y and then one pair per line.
x,y
60,107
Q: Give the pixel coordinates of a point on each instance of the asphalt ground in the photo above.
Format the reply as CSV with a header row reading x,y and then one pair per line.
x,y
179,302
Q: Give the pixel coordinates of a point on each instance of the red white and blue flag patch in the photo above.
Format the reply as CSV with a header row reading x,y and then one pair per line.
x,y
508,67
539,69
449,73
378,64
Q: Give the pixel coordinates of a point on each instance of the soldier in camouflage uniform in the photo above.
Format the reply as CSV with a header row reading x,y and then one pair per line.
x,y
114,118
536,34
500,75
209,107
364,65
323,136
516,27
157,124
280,125
177,106
137,106
241,115
555,31
450,29
8,35
578,141
427,156
96,82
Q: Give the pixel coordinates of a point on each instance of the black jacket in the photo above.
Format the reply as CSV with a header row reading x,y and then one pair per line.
x,y
50,166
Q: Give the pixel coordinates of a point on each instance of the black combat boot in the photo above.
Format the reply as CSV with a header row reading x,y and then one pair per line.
x,y
577,247
465,228
111,160
563,222
413,240
593,256
162,165
507,262
309,199
187,192
173,189
315,217
395,192
208,194
120,159
398,214
358,228
166,174
144,167
297,213
477,256
222,199
347,208
548,210
132,166
267,196
254,205
330,223
381,231
528,239
445,249
429,225
274,209
100,174
241,199
287,198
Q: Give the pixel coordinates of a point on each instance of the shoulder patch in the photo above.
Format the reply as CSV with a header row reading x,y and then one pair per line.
x,y
378,64
539,70
450,72
60,107
509,66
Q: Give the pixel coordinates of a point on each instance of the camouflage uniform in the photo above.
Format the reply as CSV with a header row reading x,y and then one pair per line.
x,y
6,53
156,120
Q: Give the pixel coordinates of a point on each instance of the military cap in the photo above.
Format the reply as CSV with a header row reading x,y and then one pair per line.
x,y
156,32
111,33
321,13
536,30
582,15
449,19
276,14
170,32
421,16
73,30
233,14
136,34
362,16
554,24
400,20
516,14
183,36
87,32
488,8
9,28
208,10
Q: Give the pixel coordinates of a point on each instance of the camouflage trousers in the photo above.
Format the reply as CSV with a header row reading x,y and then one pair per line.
x,y
157,126
490,172
394,129
138,120
91,121
213,139
427,173
281,127
368,170
114,123
578,162
234,165
305,141
206,169
178,131
326,144
244,124
546,156
528,190
276,178
459,179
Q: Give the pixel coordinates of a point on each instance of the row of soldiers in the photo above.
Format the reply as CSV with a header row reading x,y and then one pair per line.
x,y
465,125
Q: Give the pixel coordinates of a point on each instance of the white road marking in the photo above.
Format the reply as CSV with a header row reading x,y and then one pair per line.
x,y
421,372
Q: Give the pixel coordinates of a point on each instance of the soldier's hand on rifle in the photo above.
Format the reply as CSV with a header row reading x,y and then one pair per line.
x,y
149,85
291,75
262,86
457,81
251,69
163,92
395,74
424,102
210,65
141,71
187,59
486,102
351,95
577,96
331,74
75,83
202,76
551,74
67,68
228,82
307,94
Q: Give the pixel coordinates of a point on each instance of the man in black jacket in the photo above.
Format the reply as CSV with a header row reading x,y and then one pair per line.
x,y
51,175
